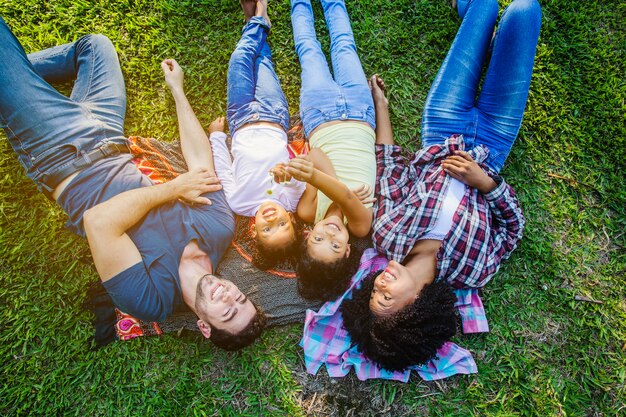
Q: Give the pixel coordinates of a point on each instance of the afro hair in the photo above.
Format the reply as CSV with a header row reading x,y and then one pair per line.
x,y
408,337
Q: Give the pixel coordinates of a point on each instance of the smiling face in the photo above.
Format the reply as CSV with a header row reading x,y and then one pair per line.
x,y
328,241
273,225
220,304
394,289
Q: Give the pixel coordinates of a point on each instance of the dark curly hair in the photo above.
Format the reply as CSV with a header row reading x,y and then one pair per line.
x,y
235,341
409,337
320,281
265,257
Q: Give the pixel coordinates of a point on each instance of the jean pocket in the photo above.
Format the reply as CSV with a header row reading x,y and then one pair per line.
x,y
56,157
495,160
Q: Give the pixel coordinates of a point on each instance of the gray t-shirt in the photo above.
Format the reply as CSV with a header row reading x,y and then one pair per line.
x,y
149,290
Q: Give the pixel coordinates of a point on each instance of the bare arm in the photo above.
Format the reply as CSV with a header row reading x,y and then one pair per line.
x,y
106,224
307,206
384,132
359,217
193,140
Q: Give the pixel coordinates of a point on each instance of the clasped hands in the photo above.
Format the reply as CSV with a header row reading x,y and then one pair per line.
x,y
302,169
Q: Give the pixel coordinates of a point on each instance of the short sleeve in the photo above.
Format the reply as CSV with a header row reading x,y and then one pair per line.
x,y
134,292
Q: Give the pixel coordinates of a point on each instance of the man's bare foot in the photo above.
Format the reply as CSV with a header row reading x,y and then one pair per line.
x,y
261,10
249,8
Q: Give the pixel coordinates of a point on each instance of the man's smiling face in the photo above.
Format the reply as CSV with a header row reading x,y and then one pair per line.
x,y
220,304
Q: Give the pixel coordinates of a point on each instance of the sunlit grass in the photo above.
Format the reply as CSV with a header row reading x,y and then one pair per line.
x,y
547,353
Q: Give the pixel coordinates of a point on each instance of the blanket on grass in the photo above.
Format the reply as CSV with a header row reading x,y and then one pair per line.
x,y
274,291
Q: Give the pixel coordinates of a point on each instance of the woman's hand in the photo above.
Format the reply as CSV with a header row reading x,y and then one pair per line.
x,y
217,125
301,168
191,185
377,86
462,167
364,194
173,74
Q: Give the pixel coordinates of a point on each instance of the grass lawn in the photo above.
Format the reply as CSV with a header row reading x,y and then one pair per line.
x,y
547,353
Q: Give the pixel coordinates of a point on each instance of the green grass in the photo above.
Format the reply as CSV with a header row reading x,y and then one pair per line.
x,y
547,354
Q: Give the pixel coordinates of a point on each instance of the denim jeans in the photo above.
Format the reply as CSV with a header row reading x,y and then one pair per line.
x,y
493,118
322,98
46,129
254,92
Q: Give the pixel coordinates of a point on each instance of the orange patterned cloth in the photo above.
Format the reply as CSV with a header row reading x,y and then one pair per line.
x,y
128,327
163,161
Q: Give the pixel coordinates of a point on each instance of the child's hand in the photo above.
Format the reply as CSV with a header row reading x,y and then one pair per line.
x,y
377,86
462,167
301,168
280,174
173,74
217,125
364,194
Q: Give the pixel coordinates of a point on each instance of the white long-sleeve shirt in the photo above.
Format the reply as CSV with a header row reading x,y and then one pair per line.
x,y
245,178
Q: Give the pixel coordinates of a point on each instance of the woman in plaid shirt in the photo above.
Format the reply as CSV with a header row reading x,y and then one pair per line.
x,y
446,218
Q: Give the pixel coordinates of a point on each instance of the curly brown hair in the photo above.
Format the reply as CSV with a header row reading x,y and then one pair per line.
x,y
266,257
409,337
321,281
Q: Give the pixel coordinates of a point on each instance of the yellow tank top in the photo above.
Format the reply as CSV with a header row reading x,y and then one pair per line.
x,y
350,147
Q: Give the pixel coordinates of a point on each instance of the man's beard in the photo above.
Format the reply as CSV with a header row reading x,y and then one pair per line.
x,y
201,297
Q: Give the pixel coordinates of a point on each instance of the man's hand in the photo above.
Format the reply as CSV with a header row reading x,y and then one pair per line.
x,y
364,194
301,168
217,125
462,167
377,86
191,185
280,174
173,74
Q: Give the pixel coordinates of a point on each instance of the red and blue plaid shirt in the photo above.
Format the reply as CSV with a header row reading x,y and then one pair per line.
x,y
486,227
327,342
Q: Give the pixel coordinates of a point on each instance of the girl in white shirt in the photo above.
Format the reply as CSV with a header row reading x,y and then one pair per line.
x,y
258,119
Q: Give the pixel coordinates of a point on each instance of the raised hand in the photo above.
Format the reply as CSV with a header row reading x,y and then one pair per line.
x,y
173,74
301,168
217,125
377,86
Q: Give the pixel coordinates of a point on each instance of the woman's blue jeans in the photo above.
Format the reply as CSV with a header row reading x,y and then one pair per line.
x,y
493,116
322,98
46,129
254,93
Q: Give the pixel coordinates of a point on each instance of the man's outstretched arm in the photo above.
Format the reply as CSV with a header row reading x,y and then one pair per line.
x,y
194,143
106,224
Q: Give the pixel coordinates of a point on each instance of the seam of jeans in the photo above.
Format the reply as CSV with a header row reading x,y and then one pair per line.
x,y
28,154
47,56
92,56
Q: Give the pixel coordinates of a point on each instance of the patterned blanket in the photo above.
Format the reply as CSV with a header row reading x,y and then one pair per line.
x,y
274,290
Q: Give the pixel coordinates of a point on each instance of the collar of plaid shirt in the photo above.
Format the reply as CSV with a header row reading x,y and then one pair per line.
x,y
326,341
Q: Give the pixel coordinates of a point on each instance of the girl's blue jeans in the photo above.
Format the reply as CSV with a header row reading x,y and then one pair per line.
x,y
323,98
493,116
254,92
46,129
